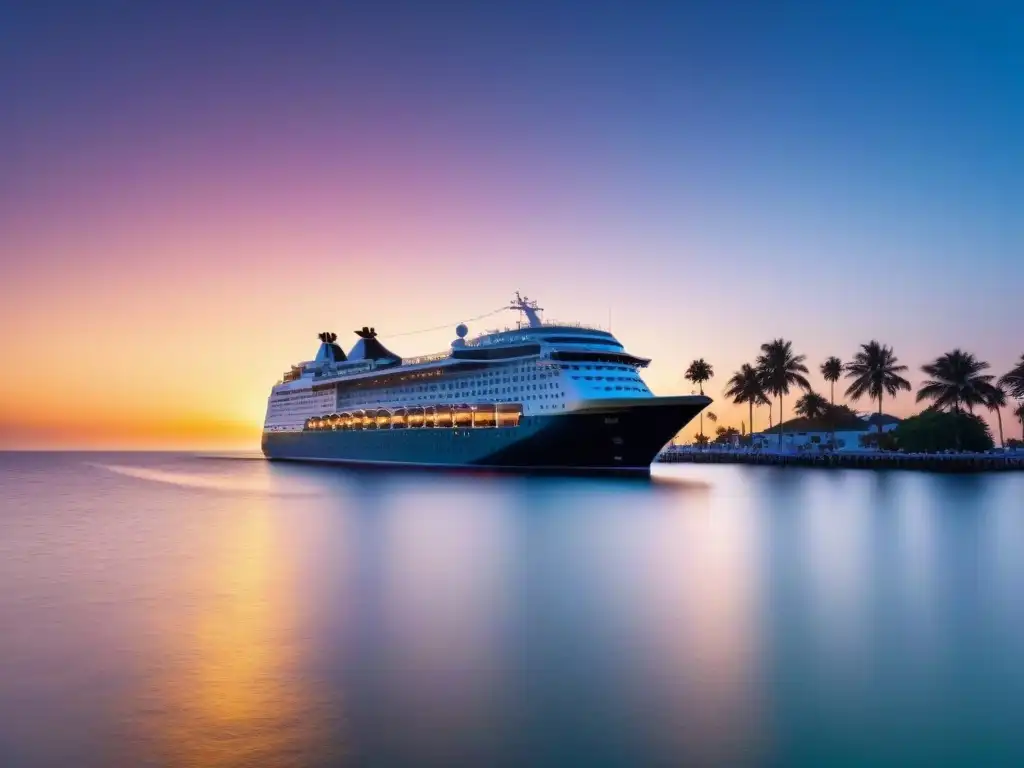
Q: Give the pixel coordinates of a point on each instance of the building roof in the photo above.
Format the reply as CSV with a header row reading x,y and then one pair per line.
x,y
848,422
882,418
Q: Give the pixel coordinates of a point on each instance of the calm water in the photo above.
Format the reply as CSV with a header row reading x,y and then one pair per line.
x,y
179,610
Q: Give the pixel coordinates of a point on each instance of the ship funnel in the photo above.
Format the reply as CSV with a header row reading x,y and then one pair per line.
x,y
369,348
329,351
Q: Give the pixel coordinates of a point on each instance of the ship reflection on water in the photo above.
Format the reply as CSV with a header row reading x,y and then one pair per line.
x,y
183,611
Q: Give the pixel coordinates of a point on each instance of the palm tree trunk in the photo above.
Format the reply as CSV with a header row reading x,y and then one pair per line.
x,y
751,404
781,428
701,387
832,415
879,414
999,416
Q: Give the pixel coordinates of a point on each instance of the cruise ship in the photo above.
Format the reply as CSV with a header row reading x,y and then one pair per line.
x,y
555,396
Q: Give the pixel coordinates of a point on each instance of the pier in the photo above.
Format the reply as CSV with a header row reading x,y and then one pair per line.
x,y
922,462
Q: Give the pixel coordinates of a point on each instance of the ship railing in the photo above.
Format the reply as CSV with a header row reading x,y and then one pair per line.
x,y
575,324
487,337
432,358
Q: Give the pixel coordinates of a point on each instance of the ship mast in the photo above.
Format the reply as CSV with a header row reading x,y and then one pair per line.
x,y
529,308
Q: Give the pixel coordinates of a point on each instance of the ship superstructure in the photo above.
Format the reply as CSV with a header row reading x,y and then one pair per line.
x,y
517,397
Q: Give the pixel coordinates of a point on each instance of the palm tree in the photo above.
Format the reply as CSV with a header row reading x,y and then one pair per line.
x,y
1013,382
700,370
956,381
812,406
832,371
875,370
779,369
1019,413
995,400
745,387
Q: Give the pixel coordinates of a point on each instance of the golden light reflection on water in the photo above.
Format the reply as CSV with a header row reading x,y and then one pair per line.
x,y
231,695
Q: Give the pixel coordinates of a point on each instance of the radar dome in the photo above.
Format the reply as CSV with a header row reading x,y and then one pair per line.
x,y
461,330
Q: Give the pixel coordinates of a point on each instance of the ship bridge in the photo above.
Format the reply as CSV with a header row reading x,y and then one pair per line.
x,y
570,342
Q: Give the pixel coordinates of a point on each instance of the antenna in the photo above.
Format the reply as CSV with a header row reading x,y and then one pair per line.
x,y
529,308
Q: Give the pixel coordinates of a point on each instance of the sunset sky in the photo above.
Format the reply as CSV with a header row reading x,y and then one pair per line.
x,y
190,192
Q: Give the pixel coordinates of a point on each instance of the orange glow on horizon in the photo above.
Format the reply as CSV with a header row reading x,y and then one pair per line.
x,y
147,432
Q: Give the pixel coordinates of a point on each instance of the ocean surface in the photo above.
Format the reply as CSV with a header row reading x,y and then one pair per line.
x,y
182,610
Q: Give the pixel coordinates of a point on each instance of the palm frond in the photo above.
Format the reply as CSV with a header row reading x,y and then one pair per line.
x,y
745,386
1013,381
832,369
957,380
779,369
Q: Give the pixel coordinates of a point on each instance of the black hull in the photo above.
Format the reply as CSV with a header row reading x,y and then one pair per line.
x,y
611,435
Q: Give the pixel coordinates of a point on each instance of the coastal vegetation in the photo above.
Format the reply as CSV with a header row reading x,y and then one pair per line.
x,y
957,382
957,385
699,372
745,387
779,368
812,406
933,431
832,371
995,400
1013,381
875,370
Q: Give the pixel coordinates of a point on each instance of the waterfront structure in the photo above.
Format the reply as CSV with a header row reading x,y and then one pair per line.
x,y
540,395
799,433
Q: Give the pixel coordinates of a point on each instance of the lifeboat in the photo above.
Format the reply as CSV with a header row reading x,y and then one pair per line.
x,y
462,415
485,416
416,417
444,417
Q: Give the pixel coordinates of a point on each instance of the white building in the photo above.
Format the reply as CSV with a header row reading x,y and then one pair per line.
x,y
803,434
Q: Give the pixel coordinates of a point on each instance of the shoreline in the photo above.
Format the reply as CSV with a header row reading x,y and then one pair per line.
x,y
922,462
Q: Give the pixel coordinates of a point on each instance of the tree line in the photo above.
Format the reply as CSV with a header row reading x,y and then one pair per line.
x,y
957,382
